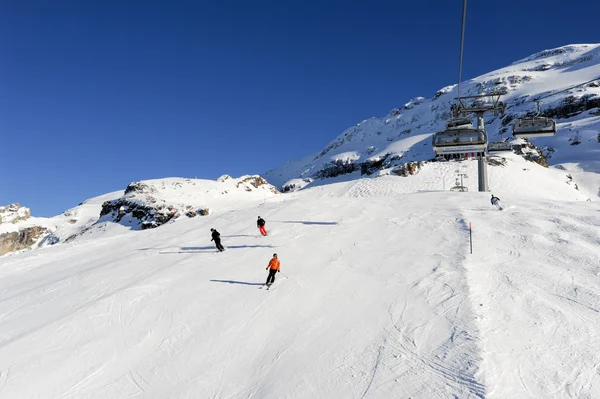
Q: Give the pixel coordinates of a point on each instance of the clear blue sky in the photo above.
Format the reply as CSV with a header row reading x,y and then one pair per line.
x,y
95,94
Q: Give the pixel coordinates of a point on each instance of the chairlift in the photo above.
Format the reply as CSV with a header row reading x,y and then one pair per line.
x,y
459,139
499,146
536,126
459,123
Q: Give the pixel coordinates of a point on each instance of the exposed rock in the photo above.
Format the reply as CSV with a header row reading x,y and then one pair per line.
x,y
18,240
139,188
224,178
374,165
288,187
496,161
146,215
14,213
441,92
256,181
537,158
572,106
195,212
50,239
336,168
410,168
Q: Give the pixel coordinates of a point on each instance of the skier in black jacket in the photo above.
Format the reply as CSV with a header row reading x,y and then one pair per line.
x,y
216,237
496,202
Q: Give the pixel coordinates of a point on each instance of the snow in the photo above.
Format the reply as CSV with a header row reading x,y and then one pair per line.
x,y
407,131
378,296
179,193
67,223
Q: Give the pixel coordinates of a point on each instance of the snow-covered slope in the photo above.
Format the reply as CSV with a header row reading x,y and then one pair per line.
x,y
404,135
152,201
378,297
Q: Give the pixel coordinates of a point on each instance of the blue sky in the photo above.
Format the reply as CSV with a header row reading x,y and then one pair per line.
x,y
96,94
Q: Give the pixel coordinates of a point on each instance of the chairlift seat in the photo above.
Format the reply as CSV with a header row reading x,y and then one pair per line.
x,y
459,141
500,146
534,127
460,123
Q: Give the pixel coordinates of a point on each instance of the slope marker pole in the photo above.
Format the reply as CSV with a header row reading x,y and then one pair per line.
x,y
471,237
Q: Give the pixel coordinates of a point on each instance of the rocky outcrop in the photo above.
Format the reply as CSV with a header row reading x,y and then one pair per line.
x,y
139,188
190,212
409,168
256,181
146,216
572,106
224,178
18,240
533,154
14,213
336,168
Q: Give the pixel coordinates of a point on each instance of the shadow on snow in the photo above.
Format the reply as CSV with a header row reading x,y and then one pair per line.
x,y
185,250
236,282
309,222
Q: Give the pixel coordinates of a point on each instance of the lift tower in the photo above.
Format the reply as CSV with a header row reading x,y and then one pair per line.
x,y
479,105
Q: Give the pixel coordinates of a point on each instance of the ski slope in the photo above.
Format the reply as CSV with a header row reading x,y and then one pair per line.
x,y
378,297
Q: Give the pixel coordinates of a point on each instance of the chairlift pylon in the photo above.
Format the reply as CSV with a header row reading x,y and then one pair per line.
x,y
536,126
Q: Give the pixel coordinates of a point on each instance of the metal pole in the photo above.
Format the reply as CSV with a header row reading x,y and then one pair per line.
x,y
471,237
481,164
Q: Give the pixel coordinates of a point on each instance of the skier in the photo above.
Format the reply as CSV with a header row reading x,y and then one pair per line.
x,y
260,224
216,237
496,202
274,267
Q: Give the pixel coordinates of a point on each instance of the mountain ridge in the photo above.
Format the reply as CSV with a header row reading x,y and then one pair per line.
x,y
404,133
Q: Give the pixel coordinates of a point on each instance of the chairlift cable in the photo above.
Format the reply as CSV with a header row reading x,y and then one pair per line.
x,y
462,41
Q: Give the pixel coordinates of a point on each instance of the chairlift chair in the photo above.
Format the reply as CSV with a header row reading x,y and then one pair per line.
x,y
499,146
461,122
536,126
461,139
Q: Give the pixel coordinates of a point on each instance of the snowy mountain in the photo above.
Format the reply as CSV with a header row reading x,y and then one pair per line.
x,y
393,284
145,204
403,136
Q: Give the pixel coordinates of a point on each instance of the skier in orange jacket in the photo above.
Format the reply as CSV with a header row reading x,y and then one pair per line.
x,y
274,267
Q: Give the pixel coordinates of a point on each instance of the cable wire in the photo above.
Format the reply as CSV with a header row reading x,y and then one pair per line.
x,y
462,41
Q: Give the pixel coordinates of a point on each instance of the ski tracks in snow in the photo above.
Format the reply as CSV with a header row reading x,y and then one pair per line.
x,y
434,340
538,284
